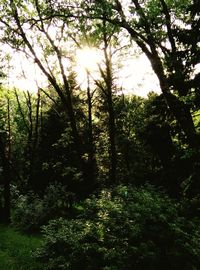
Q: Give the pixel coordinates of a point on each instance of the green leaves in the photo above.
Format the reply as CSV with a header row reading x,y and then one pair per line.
x,y
123,228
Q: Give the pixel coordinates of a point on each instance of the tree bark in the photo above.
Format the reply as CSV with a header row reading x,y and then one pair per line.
x,y
91,157
108,78
91,168
112,134
7,180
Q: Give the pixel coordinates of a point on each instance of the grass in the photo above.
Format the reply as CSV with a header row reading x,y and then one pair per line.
x,y
16,250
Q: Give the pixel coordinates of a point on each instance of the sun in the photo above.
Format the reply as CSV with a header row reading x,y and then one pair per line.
x,y
88,58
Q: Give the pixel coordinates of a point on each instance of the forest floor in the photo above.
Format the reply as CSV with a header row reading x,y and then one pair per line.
x,y
16,249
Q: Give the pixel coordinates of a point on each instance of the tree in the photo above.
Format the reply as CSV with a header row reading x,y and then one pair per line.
x,y
107,87
151,27
45,42
28,119
135,158
16,19
160,29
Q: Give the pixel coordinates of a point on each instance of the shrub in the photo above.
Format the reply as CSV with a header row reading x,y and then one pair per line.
x,y
30,212
57,201
27,214
126,228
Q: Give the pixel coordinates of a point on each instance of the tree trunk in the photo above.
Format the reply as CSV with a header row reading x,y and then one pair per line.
x,y
63,92
148,45
179,109
108,78
111,131
91,150
6,183
183,115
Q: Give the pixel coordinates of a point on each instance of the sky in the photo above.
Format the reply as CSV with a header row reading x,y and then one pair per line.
x,y
134,77
21,72
138,77
25,75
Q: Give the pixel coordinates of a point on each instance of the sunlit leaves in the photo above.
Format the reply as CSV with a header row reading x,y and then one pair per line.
x,y
123,228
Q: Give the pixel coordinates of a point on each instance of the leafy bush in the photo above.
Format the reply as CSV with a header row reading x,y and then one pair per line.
x,y
57,201
126,228
27,214
30,212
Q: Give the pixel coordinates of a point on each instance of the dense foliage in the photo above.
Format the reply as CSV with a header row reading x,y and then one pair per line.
x,y
30,211
123,228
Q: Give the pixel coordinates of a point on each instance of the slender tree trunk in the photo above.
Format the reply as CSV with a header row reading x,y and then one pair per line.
x,y
30,139
91,171
90,128
20,110
35,141
6,161
112,133
33,134
108,78
9,130
37,122
7,181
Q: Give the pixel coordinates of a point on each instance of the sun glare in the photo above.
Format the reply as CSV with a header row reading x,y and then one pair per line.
x,y
88,59
25,75
134,77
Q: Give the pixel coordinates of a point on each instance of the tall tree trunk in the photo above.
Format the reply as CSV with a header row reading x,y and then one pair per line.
x,y
34,140
180,110
108,92
37,121
112,134
91,157
6,183
148,45
30,139
91,167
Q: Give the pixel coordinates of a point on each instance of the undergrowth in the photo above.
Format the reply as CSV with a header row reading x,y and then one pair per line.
x,y
16,250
